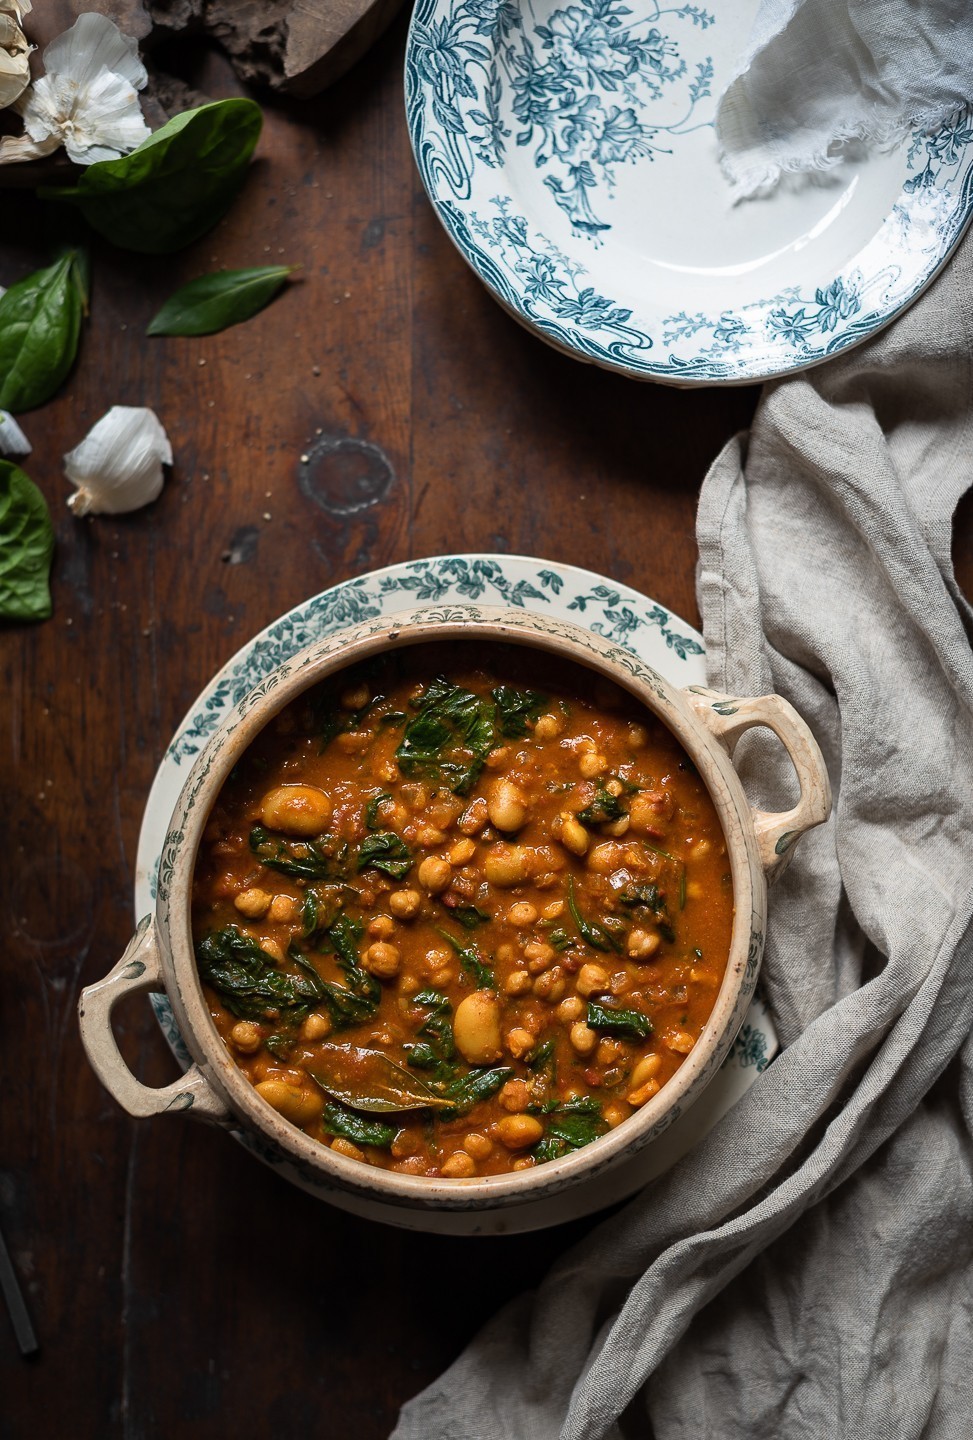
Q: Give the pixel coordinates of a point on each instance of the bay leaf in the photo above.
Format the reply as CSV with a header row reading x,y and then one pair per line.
x,y
368,1080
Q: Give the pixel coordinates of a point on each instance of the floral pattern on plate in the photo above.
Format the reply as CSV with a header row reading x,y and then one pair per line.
x,y
591,85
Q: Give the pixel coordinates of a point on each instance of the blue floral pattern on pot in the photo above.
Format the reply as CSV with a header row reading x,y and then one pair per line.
x,y
584,87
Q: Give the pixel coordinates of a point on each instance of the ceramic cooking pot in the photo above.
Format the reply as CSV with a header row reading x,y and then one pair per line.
x,y
160,955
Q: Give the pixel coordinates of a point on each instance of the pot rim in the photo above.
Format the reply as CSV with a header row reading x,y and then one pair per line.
x,y
459,624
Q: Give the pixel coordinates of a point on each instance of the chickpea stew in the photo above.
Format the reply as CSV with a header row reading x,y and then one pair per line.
x,y
460,910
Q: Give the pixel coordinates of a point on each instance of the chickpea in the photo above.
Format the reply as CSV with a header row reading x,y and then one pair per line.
x,y
296,809
459,1166
551,985
519,1131
252,903
273,949
315,1027
507,806
539,952
637,736
548,727
644,1093
608,1051
462,852
645,1069
355,699
646,810
605,857
515,1096
434,874
474,817
506,865
572,834
553,909
518,982
405,1143
592,763
615,1113
618,827
682,1042
641,944
245,1037
582,1037
615,787
404,904
476,1028
411,1165
341,1146
570,1009
497,758
382,927
351,741
522,914
477,1145
701,849
591,980
283,908
300,1107
428,836
524,1162
520,1042
382,960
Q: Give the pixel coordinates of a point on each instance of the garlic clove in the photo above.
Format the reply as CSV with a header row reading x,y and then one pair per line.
x,y
14,61
13,441
118,465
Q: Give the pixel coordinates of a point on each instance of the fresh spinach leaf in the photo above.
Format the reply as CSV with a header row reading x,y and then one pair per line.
x,y
515,708
372,822
469,916
570,1126
468,1090
247,980
176,185
604,807
215,302
597,936
472,962
340,1121
619,1022
450,737
387,852
40,322
303,859
26,547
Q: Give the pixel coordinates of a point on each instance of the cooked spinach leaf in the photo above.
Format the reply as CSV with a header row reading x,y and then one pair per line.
x,y
26,547
280,1044
176,185
438,1049
387,852
604,807
619,1022
360,1000
560,940
646,895
597,936
515,708
570,1127
468,1090
302,859
248,981
469,916
340,1121
472,962
450,737
40,322
372,822
214,302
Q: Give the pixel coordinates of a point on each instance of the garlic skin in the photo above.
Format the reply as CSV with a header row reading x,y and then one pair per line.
x,y
118,465
87,98
14,53
13,441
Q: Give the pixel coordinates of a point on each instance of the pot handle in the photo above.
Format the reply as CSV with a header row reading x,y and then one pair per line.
x,y
139,969
727,717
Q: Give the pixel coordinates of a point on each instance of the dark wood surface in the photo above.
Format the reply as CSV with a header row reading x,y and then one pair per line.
x,y
176,1285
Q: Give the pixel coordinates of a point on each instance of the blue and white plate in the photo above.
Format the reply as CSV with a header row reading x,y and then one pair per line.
x,y
667,643
568,148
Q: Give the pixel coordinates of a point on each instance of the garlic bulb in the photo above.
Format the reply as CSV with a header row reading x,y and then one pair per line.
x,y
118,465
13,441
14,53
87,98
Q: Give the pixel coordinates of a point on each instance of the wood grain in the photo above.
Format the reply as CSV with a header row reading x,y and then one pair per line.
x,y
177,1286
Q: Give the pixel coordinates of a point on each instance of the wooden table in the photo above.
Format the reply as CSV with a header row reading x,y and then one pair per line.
x,y
178,1287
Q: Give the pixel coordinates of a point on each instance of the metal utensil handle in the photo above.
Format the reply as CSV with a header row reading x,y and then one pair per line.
x,y
727,717
139,968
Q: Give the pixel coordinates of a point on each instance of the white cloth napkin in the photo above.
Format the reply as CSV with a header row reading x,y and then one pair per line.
x,y
807,1271
818,75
